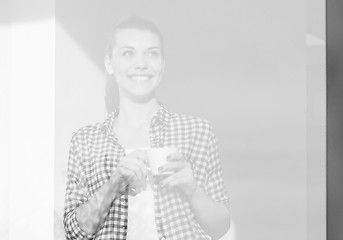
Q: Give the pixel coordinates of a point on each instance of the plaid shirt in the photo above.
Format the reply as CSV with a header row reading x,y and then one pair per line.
x,y
95,152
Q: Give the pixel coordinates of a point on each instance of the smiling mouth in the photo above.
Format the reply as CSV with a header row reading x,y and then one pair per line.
x,y
140,77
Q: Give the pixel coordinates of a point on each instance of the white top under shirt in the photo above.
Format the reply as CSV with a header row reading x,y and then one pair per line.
x,y
141,214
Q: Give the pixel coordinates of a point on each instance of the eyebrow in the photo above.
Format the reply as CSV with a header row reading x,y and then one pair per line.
x,y
152,48
126,47
132,48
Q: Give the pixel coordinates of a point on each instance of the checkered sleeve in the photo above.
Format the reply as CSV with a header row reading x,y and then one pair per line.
x,y
76,193
215,186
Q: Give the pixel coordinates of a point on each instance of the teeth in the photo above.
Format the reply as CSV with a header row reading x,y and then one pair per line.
x,y
140,78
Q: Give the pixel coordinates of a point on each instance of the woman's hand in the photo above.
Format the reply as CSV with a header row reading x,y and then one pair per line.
x,y
205,209
133,169
182,176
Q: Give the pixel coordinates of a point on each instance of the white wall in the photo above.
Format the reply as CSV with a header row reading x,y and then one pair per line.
x,y
80,92
27,120
5,73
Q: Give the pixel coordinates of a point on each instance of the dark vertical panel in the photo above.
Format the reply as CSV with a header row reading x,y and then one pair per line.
x,y
335,118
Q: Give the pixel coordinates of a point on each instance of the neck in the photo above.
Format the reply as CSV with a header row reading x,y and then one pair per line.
x,y
136,114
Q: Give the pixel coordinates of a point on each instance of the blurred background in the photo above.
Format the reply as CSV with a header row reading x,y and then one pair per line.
x,y
256,70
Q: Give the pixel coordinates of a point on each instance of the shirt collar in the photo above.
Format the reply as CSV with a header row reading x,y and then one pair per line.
x,y
162,116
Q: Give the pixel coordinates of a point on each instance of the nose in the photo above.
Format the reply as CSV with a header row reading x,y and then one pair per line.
x,y
141,62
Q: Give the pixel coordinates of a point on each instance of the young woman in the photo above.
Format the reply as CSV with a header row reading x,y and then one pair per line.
x,y
111,193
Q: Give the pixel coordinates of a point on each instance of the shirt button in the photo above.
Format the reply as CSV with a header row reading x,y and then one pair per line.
x,y
123,227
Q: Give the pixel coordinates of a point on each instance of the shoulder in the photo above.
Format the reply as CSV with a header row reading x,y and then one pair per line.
x,y
88,129
96,130
191,123
87,132
189,119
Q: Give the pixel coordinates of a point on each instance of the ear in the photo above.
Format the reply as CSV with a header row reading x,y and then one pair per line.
x,y
108,65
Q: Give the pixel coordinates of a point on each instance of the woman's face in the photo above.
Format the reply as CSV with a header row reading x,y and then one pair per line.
x,y
137,62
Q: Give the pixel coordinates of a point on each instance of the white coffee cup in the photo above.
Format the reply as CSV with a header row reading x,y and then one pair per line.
x,y
158,158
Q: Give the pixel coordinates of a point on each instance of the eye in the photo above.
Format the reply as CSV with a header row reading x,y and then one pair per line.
x,y
154,54
127,53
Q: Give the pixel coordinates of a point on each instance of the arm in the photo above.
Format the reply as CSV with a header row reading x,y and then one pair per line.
x,y
132,171
206,210
208,200
215,191
76,194
212,216
91,215
84,214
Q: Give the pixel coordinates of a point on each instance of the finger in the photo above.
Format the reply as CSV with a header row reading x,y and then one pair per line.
x,y
138,175
141,161
182,177
175,157
132,191
128,174
135,164
179,183
139,185
174,166
160,177
141,155
132,170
